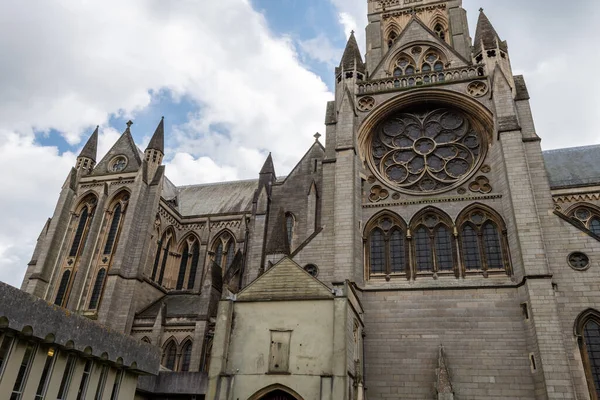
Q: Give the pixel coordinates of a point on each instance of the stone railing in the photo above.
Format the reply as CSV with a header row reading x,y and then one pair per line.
x,y
422,79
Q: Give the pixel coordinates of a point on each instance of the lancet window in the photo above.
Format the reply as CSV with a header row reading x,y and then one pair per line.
x,y
432,245
392,37
80,225
188,264
169,356
224,251
587,329
290,222
432,62
162,255
440,30
109,239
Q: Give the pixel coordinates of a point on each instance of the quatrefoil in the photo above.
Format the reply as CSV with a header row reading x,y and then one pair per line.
x,y
481,184
366,103
378,193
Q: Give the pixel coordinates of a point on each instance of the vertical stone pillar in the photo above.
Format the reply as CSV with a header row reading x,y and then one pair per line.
x,y
339,353
35,372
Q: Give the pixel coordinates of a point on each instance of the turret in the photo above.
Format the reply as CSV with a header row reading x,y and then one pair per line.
x,y
489,49
351,66
87,158
155,151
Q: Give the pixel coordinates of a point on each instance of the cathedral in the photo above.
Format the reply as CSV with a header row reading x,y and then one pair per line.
x,y
424,247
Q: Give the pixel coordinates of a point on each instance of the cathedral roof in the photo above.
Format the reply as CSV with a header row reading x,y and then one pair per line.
x,y
486,35
215,198
177,305
575,166
158,139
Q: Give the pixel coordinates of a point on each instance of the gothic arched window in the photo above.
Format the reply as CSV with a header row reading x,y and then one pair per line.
x,y
588,216
188,264
433,243
404,66
162,256
392,38
61,293
290,222
224,251
432,62
440,31
482,241
97,290
587,329
114,227
186,356
79,233
169,357
386,246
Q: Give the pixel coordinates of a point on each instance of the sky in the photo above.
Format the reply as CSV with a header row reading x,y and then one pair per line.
x,y
234,79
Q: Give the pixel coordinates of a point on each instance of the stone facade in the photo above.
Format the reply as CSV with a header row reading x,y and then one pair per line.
x,y
450,257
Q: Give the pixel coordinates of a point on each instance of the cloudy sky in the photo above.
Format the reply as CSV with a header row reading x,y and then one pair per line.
x,y
234,79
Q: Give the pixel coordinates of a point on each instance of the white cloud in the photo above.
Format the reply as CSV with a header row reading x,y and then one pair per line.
x,y
352,16
322,50
70,65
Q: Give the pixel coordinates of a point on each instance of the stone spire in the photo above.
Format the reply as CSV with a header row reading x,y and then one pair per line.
x,y
352,58
91,147
486,37
158,139
268,167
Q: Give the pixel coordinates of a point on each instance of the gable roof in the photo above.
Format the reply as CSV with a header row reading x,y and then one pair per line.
x,y
213,198
575,166
125,146
286,280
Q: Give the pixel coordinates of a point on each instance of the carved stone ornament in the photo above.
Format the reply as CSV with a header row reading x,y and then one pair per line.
x,y
366,103
427,150
378,193
477,88
481,185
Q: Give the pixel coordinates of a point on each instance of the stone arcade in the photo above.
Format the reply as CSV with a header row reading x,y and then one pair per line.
x,y
428,249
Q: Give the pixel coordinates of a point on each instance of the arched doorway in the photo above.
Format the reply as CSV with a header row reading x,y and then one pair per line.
x,y
278,395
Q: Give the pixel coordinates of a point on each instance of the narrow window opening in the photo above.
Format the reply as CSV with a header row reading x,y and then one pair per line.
x,y
5,348
77,239
84,380
182,267
62,288
194,266
66,378
98,284
45,378
533,364
117,385
186,357
101,382
19,385
525,310
112,233
424,254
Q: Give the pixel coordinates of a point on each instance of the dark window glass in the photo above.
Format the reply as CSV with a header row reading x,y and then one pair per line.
x,y
592,345
426,68
5,350
84,380
423,253
156,260
186,356
410,70
443,249
45,378
470,245
438,66
19,385
163,265
97,289
377,252
397,72
219,254
230,254
62,288
289,223
182,267
194,266
112,233
117,385
170,355
66,378
79,232
101,383
492,247
595,225
397,253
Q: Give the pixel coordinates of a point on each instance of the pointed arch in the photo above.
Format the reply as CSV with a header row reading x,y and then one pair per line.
x,y
386,251
483,240
433,244
146,339
162,254
391,34
61,293
439,26
186,354
587,332
585,216
290,224
223,249
169,354
277,388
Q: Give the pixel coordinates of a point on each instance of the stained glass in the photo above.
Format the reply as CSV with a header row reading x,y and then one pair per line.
x,y
443,249
377,252
62,288
423,251
592,344
97,289
470,244
397,253
79,232
492,247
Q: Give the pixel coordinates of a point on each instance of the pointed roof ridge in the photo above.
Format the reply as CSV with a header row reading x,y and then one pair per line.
x,y
268,167
486,35
352,57
158,139
91,147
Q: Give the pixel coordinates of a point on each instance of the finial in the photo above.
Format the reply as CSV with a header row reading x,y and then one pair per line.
x,y
317,136
129,123
481,9
352,32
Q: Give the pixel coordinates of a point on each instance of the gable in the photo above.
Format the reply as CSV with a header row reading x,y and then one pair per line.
x,y
126,147
286,280
417,34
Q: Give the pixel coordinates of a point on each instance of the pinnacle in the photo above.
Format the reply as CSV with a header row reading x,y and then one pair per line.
x,y
268,167
158,139
90,148
486,35
352,57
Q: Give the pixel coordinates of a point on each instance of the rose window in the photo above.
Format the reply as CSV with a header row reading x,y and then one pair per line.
x,y
426,151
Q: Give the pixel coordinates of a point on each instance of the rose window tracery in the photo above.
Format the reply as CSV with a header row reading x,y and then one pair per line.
x,y
426,150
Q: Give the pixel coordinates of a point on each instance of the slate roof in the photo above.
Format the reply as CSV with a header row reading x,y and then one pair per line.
x,y
91,147
158,139
575,166
352,56
177,305
486,34
213,198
